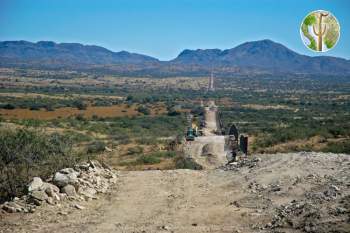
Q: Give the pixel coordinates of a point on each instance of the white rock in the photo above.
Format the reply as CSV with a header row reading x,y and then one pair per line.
x,y
95,164
69,190
39,195
56,196
50,189
35,184
62,196
50,201
88,192
67,171
9,209
62,178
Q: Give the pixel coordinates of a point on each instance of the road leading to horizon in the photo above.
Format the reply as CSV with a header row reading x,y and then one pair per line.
x,y
208,150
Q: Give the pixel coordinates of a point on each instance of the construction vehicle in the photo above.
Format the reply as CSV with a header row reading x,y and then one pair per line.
x,y
195,129
190,134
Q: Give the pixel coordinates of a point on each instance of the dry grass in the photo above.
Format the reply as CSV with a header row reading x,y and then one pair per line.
x,y
316,143
58,96
120,110
42,114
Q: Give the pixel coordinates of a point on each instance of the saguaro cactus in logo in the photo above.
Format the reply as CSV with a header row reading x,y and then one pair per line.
x,y
320,31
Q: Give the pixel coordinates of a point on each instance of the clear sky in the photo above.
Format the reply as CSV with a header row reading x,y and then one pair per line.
x,y
163,28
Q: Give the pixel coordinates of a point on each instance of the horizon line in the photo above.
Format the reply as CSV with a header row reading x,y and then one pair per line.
x,y
252,41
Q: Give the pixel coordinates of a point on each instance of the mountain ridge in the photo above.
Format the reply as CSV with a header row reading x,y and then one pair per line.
x,y
262,56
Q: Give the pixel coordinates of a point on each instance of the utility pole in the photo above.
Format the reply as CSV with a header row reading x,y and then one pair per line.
x,y
211,82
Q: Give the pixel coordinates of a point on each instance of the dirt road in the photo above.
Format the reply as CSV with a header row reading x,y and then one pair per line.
x,y
244,199
210,114
208,150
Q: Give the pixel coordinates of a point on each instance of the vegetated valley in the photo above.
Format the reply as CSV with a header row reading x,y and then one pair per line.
x,y
130,127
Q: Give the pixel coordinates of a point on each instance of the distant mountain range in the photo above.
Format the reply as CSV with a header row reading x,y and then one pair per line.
x,y
257,57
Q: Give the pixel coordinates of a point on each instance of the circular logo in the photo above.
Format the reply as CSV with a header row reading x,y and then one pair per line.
x,y
320,31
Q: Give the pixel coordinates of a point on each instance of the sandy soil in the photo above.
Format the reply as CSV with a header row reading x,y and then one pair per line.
x,y
202,201
216,156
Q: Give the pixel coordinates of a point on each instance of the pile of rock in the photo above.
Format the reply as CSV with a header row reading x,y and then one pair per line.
x,y
325,211
297,214
242,162
82,182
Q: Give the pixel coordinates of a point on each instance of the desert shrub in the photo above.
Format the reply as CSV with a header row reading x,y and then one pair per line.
x,y
129,98
147,141
164,154
80,117
77,137
197,110
35,107
102,102
27,153
172,112
182,162
143,109
96,147
124,141
148,159
8,106
79,104
338,147
31,122
121,138
135,150
49,108
94,117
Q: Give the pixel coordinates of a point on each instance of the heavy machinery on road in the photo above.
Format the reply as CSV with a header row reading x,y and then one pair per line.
x,y
192,130
190,134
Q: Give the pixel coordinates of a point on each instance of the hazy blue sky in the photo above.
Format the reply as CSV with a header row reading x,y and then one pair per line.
x,y
163,28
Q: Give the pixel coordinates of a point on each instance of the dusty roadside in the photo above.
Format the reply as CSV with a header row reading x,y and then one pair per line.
x,y
296,192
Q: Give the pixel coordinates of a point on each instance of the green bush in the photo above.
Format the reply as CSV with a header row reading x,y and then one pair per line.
x,y
27,153
148,159
79,104
9,106
338,147
164,154
143,109
147,141
35,107
186,163
96,147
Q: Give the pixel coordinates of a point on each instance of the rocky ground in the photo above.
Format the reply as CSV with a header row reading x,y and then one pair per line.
x,y
294,192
